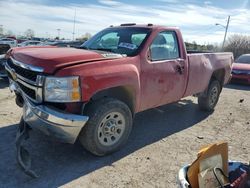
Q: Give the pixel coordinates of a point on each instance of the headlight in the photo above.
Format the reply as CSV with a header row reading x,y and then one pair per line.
x,y
62,89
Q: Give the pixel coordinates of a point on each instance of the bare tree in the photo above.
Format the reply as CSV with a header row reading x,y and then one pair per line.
x,y
29,33
238,44
1,30
86,36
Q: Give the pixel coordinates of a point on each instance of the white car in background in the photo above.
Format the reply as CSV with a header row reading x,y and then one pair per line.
x,y
31,43
9,41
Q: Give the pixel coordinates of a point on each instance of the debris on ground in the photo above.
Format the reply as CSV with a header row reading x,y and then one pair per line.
x,y
241,101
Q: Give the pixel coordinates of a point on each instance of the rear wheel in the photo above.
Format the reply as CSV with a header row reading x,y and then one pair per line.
x,y
209,101
108,128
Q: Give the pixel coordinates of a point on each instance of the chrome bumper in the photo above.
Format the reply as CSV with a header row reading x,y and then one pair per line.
x,y
63,126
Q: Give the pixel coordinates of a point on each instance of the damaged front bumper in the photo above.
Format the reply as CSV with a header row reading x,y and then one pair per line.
x,y
63,126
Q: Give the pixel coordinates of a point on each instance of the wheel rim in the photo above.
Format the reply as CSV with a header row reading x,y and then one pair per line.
x,y
213,96
111,128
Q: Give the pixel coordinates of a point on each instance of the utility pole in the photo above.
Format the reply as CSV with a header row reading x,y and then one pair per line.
x,y
74,25
228,21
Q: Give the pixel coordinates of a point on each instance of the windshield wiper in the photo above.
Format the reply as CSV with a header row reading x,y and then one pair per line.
x,y
84,47
102,49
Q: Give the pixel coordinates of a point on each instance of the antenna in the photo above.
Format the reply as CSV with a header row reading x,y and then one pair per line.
x,y
74,26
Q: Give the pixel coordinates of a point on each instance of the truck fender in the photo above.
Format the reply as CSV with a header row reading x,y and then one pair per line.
x,y
216,75
123,84
125,94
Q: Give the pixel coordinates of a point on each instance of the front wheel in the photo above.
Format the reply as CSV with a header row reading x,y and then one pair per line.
x,y
108,128
209,101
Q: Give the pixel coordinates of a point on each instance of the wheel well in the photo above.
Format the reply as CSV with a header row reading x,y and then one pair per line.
x,y
123,93
219,75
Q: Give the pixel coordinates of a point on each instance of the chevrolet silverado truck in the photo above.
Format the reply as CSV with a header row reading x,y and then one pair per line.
x,y
92,93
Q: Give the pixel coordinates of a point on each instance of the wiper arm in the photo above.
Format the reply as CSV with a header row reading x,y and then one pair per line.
x,y
84,47
102,49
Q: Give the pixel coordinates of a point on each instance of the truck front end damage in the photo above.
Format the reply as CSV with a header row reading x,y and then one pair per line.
x,y
28,83
63,126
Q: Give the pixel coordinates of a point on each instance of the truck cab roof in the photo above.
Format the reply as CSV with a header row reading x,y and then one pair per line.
x,y
145,26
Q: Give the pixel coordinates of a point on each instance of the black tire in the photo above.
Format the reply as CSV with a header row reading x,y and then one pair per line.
x,y
94,136
208,101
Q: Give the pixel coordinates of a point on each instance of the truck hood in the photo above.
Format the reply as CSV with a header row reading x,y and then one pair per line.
x,y
241,66
53,58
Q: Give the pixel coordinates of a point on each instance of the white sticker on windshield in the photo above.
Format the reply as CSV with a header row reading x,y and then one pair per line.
x,y
128,45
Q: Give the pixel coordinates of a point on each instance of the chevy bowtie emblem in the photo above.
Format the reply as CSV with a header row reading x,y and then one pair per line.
x,y
13,74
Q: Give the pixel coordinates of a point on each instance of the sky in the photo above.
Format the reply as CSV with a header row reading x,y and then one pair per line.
x,y
195,18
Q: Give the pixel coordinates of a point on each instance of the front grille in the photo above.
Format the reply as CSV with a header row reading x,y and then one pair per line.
x,y
9,75
28,74
27,79
29,92
2,64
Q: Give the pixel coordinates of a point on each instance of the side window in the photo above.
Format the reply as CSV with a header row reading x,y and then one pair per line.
x,y
165,46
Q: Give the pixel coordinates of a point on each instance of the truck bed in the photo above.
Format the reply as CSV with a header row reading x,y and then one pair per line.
x,y
201,66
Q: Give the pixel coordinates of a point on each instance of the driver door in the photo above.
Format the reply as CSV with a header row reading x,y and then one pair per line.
x,y
164,73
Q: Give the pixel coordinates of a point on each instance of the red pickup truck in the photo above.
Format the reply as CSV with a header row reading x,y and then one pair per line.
x,y
92,93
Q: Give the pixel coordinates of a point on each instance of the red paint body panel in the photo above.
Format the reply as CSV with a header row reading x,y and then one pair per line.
x,y
245,79
160,82
52,58
153,83
241,78
241,66
97,76
201,68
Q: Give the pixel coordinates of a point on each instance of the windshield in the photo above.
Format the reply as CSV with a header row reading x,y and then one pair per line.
x,y
127,40
245,59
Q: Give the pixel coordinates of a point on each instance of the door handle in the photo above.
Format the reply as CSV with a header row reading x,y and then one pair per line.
x,y
180,69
